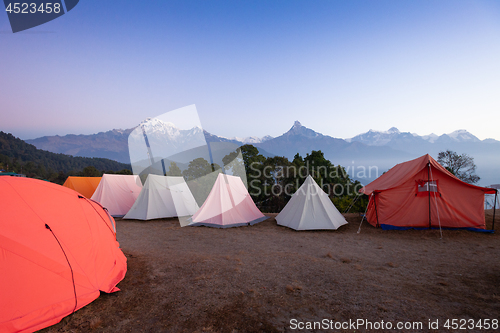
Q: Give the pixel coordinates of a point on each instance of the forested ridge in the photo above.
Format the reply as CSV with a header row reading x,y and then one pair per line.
x,y
21,157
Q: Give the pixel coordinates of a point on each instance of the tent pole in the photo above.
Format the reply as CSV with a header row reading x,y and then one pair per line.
x,y
163,166
494,210
211,159
375,202
429,190
150,153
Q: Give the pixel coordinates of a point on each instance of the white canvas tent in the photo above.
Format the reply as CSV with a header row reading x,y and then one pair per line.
x,y
117,193
163,197
228,205
310,208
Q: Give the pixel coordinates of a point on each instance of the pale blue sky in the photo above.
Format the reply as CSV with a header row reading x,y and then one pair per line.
x,y
254,67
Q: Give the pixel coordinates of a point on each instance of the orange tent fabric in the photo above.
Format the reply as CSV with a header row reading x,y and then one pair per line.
x,y
58,249
86,186
406,194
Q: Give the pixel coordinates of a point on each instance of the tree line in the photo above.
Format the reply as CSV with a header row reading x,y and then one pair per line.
x,y
273,180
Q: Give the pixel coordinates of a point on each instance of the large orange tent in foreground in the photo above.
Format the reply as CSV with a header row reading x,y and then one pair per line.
x,y
86,186
421,193
58,250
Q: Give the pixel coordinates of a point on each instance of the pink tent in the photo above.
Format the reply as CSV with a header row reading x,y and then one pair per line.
x,y
228,205
117,193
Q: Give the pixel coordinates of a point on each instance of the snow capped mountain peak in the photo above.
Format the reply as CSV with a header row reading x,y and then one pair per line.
x,y
392,130
251,139
154,127
376,138
157,127
458,132
155,122
490,140
196,129
462,135
266,138
119,131
431,137
298,129
394,137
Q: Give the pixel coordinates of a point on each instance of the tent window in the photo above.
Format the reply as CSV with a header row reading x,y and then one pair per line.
x,y
423,186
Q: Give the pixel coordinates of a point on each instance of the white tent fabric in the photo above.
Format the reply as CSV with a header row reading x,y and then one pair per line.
x,y
310,208
228,205
163,197
117,193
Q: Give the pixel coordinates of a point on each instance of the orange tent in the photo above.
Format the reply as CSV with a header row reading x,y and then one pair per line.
x,y
84,185
58,250
421,193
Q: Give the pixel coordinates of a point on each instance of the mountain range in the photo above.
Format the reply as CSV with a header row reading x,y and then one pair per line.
x,y
393,137
378,149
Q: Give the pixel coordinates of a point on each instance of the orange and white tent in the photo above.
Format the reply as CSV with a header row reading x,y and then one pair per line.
x,y
58,250
86,186
421,193
228,205
117,193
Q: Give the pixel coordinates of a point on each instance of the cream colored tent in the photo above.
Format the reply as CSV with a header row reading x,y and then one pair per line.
x,y
117,193
310,208
228,205
163,197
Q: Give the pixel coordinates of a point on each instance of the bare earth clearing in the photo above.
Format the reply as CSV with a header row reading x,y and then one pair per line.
x,y
256,279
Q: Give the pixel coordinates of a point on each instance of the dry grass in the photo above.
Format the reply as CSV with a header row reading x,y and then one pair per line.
x,y
95,323
255,279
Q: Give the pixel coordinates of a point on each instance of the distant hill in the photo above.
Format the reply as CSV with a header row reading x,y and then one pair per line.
x,y
16,153
111,144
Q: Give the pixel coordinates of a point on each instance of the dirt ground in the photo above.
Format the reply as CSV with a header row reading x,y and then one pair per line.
x,y
259,278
